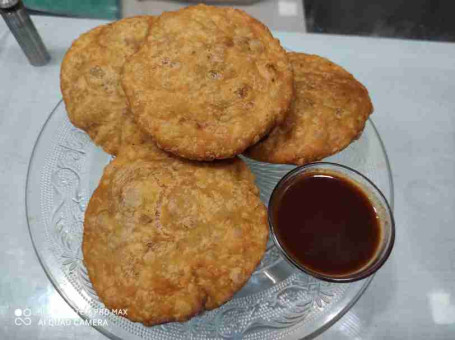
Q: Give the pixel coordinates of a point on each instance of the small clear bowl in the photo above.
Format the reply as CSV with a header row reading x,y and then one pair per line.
x,y
376,198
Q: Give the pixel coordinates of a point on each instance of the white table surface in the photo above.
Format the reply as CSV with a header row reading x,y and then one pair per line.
x,y
412,85
283,15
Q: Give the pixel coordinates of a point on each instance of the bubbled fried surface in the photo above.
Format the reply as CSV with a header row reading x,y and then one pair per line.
x,y
90,79
167,238
208,82
329,111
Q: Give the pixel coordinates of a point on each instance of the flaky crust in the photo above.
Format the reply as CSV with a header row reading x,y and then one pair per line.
x,y
208,82
166,238
329,111
90,79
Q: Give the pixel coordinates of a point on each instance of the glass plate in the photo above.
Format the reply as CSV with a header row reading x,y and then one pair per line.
x,y
277,302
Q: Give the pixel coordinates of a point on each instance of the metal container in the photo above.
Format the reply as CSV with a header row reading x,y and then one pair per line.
x,y
20,24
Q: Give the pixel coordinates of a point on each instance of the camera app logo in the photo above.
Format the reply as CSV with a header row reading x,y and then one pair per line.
x,y
22,317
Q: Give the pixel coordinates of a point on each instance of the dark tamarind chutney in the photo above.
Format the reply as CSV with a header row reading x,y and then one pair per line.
x,y
327,224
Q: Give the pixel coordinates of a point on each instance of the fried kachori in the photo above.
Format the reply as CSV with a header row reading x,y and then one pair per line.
x,y
208,82
329,112
90,79
166,238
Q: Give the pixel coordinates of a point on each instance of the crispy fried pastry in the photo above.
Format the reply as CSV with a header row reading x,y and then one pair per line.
x,y
167,238
329,111
208,82
90,79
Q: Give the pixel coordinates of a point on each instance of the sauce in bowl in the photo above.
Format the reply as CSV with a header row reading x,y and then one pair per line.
x,y
327,224
331,222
